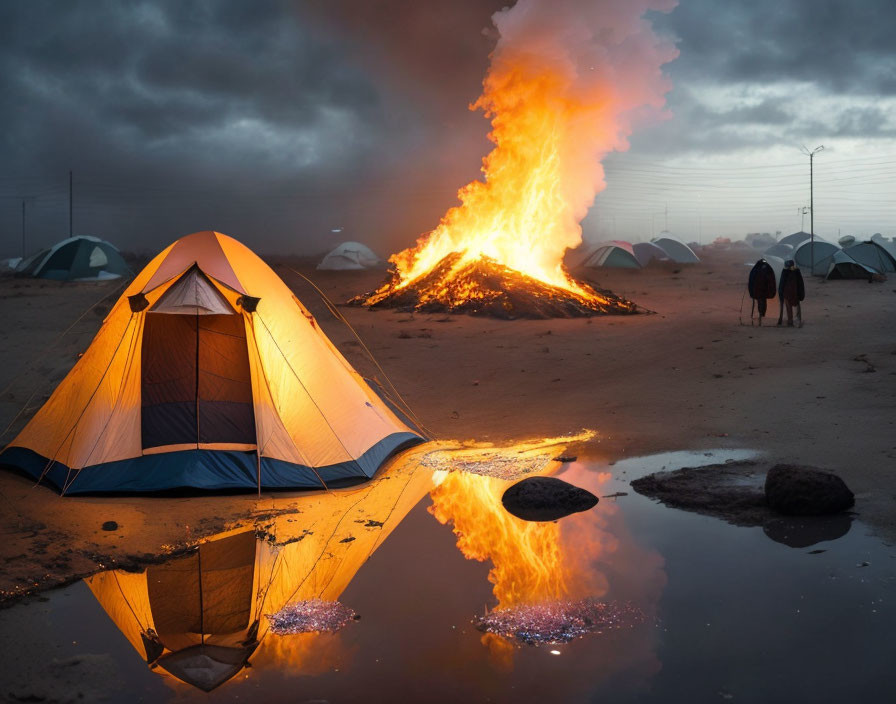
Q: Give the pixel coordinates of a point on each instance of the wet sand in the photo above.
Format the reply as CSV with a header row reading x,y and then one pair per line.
x,y
693,375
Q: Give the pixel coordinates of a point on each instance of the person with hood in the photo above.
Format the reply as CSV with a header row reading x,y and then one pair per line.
x,y
791,291
761,286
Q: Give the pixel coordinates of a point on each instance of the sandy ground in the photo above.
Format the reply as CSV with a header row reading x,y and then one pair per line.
x,y
693,375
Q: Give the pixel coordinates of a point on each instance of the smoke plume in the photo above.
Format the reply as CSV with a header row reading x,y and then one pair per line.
x,y
567,84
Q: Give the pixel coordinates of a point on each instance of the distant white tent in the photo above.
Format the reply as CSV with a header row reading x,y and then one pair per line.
x,y
677,250
646,252
350,255
843,266
823,256
615,254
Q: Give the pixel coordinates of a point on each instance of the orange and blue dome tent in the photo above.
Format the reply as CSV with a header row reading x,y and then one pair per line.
x,y
208,373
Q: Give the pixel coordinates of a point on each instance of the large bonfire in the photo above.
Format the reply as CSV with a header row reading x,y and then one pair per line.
x,y
566,83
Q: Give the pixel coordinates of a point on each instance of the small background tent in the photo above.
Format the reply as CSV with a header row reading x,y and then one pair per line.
x,y
208,373
843,266
677,250
615,254
350,255
872,254
782,249
646,252
796,238
823,253
76,259
777,265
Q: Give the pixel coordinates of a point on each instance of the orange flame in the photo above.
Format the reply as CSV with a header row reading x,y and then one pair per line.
x,y
564,82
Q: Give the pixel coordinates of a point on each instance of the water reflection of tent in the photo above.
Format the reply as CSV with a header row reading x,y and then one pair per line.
x,y
201,617
208,373
76,259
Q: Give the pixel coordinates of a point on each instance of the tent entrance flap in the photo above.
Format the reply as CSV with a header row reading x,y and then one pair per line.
x,y
196,384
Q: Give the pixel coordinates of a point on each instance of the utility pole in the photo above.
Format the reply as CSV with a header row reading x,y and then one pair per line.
x,y
23,229
811,156
69,203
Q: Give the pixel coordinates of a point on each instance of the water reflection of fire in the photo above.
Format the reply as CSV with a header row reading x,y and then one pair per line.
x,y
564,84
530,564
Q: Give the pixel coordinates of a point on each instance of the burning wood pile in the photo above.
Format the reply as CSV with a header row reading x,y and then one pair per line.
x,y
566,84
486,287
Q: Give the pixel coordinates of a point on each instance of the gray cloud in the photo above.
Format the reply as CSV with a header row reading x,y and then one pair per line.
x,y
846,47
277,120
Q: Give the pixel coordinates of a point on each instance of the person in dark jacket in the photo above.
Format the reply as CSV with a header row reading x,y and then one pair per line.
x,y
791,291
761,286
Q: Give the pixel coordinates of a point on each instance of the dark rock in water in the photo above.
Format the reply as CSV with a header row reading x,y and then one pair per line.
x,y
731,491
804,491
110,525
735,493
565,458
546,499
803,531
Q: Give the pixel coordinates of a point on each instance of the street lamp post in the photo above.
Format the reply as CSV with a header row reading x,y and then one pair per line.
x,y
811,155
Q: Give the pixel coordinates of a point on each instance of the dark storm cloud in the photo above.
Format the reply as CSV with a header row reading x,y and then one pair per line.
x,y
845,47
325,109
149,71
280,120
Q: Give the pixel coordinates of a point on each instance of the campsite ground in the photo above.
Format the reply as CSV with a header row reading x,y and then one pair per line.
x,y
693,375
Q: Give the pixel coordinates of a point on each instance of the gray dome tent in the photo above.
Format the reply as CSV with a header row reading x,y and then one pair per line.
x,y
796,238
823,255
618,255
351,256
646,252
782,249
677,250
76,259
844,266
872,254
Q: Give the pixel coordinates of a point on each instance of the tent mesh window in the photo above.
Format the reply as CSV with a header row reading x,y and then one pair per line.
x,y
196,383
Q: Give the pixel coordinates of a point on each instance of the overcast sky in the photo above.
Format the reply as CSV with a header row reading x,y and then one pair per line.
x,y
279,122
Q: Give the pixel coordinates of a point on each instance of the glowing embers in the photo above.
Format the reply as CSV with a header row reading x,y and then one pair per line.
x,y
483,286
558,622
311,616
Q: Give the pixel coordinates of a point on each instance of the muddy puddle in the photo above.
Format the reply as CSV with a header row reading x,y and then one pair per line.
x,y
689,608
